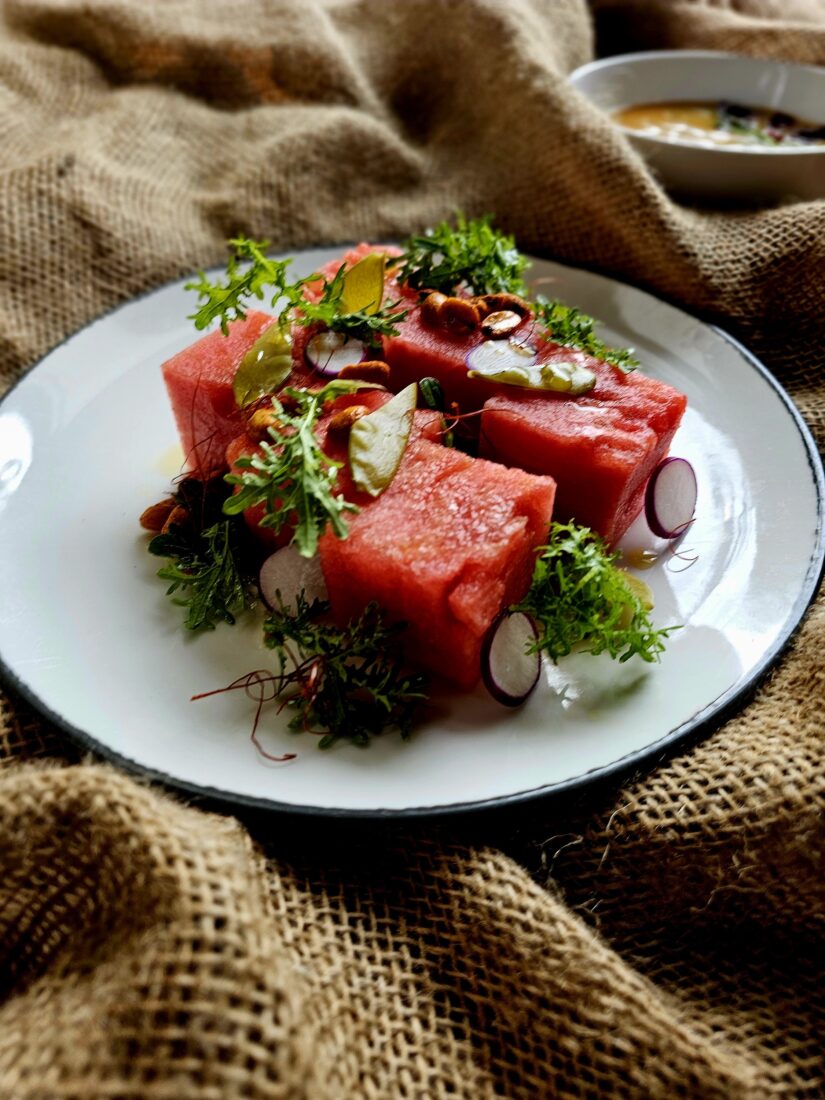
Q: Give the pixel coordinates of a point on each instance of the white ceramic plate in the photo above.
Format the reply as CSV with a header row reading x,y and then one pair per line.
x,y
87,441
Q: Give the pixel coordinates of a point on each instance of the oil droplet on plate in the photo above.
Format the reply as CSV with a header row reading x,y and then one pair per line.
x,y
170,463
640,558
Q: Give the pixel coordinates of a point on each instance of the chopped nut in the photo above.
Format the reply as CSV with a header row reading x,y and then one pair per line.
x,y
431,308
259,422
458,313
371,370
341,422
176,518
287,402
492,303
502,323
155,516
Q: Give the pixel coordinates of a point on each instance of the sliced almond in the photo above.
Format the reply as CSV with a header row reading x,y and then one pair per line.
x,y
155,516
176,518
500,324
341,422
371,370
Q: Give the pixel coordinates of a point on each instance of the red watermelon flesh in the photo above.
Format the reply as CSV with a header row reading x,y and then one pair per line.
x,y
199,382
420,350
600,447
444,548
426,425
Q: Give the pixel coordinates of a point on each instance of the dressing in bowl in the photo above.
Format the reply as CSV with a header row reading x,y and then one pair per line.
x,y
769,147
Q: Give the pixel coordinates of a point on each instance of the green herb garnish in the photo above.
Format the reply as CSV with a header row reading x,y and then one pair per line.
x,y
250,273
350,680
471,253
571,328
580,598
364,325
733,119
207,574
293,478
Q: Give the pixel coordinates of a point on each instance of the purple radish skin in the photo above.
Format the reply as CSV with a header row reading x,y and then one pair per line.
x,y
509,672
287,572
329,352
670,498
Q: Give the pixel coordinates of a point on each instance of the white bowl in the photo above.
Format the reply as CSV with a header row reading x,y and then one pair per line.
x,y
762,172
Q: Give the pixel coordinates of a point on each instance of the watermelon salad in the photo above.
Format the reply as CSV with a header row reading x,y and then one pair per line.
x,y
418,470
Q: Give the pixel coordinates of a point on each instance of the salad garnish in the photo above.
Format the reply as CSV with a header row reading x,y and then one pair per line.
x,y
265,367
249,272
293,478
341,307
571,328
351,680
470,253
210,564
581,600
377,442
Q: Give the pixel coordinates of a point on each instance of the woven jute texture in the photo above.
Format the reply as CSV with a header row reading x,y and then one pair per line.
x,y
661,938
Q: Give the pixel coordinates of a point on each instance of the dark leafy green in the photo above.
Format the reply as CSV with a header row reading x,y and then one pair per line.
x,y
368,327
249,274
209,564
350,681
470,253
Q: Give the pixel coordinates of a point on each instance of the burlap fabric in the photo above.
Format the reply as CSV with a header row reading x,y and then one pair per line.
x,y
662,939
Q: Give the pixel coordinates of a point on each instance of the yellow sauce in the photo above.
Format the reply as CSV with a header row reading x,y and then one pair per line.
x,y
712,123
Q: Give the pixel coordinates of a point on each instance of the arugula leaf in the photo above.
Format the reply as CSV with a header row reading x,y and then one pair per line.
x,y
350,679
472,253
580,598
227,301
293,478
208,573
263,277
571,328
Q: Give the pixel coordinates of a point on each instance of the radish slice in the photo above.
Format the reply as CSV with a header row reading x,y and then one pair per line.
x,y
495,357
670,498
288,573
329,352
509,672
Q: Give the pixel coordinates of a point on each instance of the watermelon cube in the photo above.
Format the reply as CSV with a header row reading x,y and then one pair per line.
x,y
199,382
426,425
449,544
199,378
601,447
